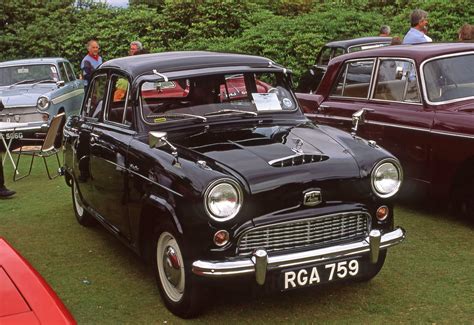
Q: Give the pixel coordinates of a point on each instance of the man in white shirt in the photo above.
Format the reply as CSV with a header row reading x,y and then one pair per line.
x,y
419,22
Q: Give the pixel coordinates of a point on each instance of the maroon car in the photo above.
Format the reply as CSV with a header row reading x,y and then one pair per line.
x,y
418,102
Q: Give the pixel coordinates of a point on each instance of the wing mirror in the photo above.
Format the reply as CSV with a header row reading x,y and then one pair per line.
x,y
159,139
60,83
1,105
358,118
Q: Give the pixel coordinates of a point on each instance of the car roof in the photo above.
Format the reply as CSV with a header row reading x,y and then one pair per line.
x,y
181,61
32,61
417,52
358,41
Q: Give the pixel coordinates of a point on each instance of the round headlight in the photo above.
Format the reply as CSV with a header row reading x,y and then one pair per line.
x,y
223,200
387,178
43,103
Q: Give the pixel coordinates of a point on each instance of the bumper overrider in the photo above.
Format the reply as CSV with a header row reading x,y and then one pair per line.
x,y
260,262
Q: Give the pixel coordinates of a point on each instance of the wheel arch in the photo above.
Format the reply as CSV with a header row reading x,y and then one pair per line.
x,y
155,211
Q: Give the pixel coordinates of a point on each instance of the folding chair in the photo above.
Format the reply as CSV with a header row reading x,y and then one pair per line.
x,y
48,148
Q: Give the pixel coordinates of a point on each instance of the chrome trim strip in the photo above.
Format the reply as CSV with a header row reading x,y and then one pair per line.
x,y
239,266
423,83
64,97
399,126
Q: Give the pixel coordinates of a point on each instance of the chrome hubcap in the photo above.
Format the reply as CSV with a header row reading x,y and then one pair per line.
x,y
170,266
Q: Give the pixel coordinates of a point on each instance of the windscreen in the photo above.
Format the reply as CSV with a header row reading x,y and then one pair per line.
x,y
211,95
24,74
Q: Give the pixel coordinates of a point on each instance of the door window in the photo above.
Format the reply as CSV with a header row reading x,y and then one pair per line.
x,y
70,72
324,56
62,71
96,97
354,81
119,109
397,81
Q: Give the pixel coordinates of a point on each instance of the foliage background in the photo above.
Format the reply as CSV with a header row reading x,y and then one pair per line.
x,y
287,31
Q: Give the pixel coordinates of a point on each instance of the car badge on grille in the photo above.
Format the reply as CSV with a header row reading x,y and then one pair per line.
x,y
312,198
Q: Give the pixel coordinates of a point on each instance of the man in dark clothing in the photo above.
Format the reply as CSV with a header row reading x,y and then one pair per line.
x,y
4,192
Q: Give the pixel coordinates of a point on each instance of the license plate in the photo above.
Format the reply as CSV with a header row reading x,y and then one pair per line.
x,y
318,274
13,135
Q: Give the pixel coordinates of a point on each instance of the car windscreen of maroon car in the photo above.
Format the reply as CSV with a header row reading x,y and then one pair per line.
x,y
251,93
449,78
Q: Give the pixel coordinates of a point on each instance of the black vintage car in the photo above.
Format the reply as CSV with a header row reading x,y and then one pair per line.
x,y
311,79
204,163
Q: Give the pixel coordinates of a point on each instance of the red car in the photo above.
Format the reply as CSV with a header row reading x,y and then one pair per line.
x,y
25,297
418,102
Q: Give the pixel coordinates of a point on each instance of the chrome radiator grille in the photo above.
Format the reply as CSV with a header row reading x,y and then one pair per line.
x,y
314,231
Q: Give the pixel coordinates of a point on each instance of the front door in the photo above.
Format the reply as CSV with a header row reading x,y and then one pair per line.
x,y
109,148
397,119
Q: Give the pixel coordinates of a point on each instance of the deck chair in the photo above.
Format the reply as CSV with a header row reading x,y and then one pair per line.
x,y
49,147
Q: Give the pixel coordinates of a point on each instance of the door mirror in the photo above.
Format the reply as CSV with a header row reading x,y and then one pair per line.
x,y
157,139
358,118
60,83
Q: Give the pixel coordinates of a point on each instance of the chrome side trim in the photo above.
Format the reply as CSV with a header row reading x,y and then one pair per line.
x,y
247,265
65,97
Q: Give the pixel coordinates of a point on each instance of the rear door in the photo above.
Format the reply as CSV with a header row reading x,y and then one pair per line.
x,y
91,113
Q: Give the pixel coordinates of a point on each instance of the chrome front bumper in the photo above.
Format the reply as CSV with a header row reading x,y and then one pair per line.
x,y
260,262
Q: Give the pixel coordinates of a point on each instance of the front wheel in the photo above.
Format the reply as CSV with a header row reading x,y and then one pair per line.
x,y
83,217
178,287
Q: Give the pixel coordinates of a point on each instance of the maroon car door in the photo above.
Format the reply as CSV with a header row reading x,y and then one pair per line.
x,y
396,119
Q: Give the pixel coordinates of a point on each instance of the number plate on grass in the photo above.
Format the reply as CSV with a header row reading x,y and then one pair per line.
x,y
314,275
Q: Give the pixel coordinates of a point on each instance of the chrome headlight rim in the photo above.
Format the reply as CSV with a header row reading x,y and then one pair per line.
x,y
236,186
399,169
42,103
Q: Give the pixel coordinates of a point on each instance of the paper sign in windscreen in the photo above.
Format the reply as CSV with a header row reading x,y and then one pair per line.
x,y
266,102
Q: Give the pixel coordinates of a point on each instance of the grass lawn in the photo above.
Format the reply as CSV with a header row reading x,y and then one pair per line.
x,y
427,279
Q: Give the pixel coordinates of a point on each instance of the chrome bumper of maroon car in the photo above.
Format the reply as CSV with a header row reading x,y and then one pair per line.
x,y
261,262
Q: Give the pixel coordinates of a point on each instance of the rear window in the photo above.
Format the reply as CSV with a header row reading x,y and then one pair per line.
x,y
450,78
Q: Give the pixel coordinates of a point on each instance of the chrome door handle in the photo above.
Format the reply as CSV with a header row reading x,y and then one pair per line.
x,y
94,138
322,108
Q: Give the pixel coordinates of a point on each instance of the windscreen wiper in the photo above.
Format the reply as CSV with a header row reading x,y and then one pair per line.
x,y
177,115
44,80
230,111
22,82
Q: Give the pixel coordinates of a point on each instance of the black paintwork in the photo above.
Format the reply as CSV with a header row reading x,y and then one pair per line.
x,y
124,182
311,79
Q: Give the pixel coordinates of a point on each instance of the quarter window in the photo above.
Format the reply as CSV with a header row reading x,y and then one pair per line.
x,y
354,81
397,81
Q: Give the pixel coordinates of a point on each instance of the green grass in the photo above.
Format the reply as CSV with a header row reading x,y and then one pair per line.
x,y
427,279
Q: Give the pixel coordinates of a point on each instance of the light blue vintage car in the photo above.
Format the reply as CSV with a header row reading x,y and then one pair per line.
x,y
33,91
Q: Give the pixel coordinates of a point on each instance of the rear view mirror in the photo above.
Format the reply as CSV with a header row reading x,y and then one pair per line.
x,y
399,73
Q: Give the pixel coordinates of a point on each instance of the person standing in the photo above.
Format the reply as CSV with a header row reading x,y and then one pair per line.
x,y
384,31
91,61
4,192
465,33
135,48
419,23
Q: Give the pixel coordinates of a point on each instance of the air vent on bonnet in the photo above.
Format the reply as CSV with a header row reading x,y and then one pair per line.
x,y
298,159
